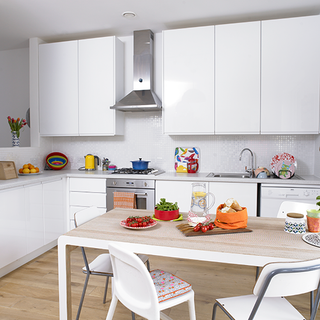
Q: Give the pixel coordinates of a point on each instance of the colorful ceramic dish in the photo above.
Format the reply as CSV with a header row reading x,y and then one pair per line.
x,y
56,160
283,165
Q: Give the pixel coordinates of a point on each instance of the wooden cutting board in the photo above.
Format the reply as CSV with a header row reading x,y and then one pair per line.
x,y
187,230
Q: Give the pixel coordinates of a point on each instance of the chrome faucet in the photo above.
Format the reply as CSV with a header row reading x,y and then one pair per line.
x,y
250,170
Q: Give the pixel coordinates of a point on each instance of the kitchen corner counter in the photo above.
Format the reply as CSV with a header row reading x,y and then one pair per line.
x,y
49,175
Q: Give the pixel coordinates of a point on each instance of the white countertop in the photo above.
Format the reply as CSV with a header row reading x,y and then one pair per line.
x,y
49,175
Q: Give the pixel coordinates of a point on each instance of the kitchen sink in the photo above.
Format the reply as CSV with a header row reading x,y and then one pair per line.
x,y
229,175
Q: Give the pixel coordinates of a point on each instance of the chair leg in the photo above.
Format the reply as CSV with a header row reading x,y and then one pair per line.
x,y
112,307
82,296
192,309
105,291
257,272
148,265
215,309
311,301
133,315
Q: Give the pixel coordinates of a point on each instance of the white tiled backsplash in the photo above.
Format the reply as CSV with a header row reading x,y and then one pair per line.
x,y
143,138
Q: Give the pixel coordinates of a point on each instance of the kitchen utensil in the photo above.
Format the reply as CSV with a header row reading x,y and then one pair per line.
x,y
201,202
166,215
187,230
295,223
283,161
183,156
56,160
91,162
105,164
140,164
8,170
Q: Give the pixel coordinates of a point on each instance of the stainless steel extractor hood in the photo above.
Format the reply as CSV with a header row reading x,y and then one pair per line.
x,y
142,98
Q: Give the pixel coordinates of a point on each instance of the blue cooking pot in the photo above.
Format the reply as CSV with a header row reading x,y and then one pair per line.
x,y
140,164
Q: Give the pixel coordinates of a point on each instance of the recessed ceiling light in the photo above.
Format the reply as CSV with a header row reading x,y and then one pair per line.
x,y
128,14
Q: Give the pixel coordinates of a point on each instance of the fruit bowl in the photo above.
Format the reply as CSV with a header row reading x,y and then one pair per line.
x,y
166,215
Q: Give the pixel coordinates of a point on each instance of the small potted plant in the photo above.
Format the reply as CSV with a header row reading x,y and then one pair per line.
x,y
313,218
166,210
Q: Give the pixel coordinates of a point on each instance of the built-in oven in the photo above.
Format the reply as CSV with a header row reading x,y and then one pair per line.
x,y
143,189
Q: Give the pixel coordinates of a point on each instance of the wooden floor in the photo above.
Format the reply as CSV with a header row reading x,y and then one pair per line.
x,y
31,292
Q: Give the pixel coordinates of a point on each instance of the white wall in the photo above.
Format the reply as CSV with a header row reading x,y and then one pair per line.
x,y
14,93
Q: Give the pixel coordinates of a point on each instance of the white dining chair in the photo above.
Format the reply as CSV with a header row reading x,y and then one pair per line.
x,y
101,265
294,206
276,281
145,293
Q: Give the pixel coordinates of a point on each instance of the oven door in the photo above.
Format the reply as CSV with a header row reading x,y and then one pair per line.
x,y
145,197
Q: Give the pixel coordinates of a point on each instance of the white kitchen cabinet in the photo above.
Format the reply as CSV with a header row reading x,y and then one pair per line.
x,y
58,88
175,191
188,81
54,213
100,86
34,216
244,193
13,237
78,82
290,76
237,78
84,193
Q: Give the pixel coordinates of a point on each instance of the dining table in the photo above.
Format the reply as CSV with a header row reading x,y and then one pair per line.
x,y
265,242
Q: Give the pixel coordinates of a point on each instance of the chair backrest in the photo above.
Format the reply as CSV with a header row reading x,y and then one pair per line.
x,y
132,283
288,278
296,207
85,215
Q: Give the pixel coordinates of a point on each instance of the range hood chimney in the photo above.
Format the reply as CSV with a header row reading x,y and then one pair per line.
x,y
142,98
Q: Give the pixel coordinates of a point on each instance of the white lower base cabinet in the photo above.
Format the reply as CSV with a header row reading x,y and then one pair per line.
x,y
32,217
244,193
84,193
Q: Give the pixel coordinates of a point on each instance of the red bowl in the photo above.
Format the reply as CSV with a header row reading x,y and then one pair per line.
x,y
166,215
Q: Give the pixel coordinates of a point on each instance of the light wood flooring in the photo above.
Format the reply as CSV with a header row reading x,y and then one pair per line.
x,y
31,292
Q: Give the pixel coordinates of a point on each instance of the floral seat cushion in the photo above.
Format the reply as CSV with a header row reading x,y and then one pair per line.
x,y
168,285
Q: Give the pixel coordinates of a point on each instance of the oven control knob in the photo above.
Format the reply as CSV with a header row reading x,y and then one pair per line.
x,y
114,182
145,184
306,193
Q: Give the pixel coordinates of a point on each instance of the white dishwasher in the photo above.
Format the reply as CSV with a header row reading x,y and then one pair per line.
x,y
272,195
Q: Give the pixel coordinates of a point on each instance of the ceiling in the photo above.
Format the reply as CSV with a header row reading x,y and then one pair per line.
x,y
55,20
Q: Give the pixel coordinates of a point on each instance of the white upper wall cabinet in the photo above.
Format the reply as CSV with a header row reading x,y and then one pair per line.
x,y
58,88
79,81
237,82
290,76
188,81
98,74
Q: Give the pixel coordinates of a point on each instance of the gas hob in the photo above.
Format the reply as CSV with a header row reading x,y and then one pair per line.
x,y
149,171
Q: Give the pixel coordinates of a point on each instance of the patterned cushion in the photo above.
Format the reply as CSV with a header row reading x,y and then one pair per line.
x,y
168,285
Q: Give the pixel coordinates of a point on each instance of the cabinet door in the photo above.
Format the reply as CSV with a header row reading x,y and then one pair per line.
x,y
34,217
244,193
237,82
55,218
97,85
13,238
58,88
188,81
290,75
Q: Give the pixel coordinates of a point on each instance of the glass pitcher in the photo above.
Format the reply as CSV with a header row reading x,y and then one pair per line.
x,y
201,201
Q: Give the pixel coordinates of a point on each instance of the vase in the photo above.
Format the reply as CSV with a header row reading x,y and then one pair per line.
x,y
15,139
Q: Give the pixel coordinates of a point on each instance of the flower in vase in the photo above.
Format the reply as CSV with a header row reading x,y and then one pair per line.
x,y
16,124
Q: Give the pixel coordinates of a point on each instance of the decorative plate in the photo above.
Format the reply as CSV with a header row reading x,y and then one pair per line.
x,y
56,160
283,161
178,219
29,174
124,224
312,238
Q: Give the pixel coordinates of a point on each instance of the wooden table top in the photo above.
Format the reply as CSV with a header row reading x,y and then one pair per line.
x,y
266,243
